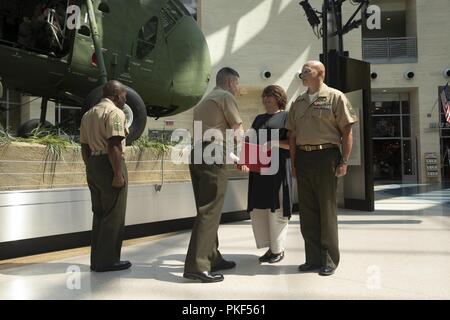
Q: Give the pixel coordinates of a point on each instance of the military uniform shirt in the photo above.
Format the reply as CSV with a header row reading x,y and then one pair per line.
x,y
100,123
218,110
322,120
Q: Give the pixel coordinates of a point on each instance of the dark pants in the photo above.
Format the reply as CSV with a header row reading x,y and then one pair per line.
x,y
209,183
317,186
109,206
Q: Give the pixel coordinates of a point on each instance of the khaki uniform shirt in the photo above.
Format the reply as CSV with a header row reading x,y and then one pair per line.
x,y
322,120
218,110
100,123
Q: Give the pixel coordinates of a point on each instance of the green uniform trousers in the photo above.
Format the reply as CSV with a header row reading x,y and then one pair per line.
x,y
317,186
109,206
209,183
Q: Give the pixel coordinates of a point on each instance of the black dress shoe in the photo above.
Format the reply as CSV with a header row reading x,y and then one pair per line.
x,y
307,267
224,265
121,265
326,271
204,276
276,257
266,257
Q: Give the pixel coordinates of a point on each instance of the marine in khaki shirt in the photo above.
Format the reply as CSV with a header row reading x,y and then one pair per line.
x,y
219,111
100,123
321,120
102,135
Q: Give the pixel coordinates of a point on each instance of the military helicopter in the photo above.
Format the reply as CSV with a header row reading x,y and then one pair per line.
x,y
154,47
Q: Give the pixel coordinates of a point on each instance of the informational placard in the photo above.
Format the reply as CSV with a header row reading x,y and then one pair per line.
x,y
431,162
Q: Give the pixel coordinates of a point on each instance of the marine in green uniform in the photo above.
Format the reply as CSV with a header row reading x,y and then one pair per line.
x,y
102,136
320,122
217,111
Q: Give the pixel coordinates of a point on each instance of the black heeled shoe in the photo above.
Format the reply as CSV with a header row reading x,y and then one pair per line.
x,y
266,257
276,257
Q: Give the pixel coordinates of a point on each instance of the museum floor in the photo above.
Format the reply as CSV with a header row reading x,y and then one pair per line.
x,y
400,251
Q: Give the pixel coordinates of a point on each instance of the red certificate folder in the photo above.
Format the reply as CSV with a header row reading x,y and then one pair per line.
x,y
253,157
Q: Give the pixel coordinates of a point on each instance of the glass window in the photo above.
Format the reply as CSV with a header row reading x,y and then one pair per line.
x,y
445,154
405,107
386,107
103,7
388,126
147,38
406,124
445,132
176,10
387,159
68,119
10,111
85,31
159,135
191,6
444,123
407,158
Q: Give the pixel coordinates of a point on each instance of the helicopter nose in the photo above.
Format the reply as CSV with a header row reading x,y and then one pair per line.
x,y
190,61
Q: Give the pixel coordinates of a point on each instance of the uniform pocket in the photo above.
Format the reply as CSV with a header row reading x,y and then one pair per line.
x,y
300,115
300,122
322,113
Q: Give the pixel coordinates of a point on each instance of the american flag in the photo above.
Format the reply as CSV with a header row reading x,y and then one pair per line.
x,y
445,103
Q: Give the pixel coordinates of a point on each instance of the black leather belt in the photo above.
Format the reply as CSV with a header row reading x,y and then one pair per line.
x,y
98,153
316,147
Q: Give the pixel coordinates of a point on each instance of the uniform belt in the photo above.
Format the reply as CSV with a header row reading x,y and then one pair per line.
x,y
317,147
98,153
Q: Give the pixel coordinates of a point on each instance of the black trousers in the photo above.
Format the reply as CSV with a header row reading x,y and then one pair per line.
x,y
109,206
209,182
317,186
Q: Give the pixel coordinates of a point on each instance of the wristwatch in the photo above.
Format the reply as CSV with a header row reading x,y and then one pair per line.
x,y
343,161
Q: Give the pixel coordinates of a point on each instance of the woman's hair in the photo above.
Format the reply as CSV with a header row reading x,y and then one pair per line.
x,y
278,93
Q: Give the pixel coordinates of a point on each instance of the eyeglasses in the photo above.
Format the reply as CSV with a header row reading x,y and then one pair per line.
x,y
304,73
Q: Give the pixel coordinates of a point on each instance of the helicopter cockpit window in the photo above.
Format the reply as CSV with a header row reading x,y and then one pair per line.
x,y
85,31
36,25
177,9
191,6
103,7
147,38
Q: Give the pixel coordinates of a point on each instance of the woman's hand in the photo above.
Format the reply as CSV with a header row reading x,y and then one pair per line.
x,y
266,147
242,167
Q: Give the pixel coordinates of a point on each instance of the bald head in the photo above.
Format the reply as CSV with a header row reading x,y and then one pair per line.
x,y
316,65
112,88
116,92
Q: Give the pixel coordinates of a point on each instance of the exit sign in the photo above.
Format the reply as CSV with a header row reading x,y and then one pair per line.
x,y
169,123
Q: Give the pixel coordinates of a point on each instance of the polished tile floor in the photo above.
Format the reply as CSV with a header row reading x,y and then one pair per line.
x,y
400,251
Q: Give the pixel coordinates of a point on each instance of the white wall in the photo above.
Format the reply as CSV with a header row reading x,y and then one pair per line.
x,y
253,35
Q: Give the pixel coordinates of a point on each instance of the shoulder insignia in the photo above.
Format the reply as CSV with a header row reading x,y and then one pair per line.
x,y
117,124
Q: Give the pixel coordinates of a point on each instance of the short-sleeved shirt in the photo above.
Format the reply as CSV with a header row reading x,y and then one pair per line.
x,y
322,120
218,110
100,123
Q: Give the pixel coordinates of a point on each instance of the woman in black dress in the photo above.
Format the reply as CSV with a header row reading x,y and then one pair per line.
x,y
269,196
